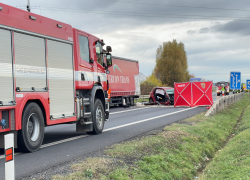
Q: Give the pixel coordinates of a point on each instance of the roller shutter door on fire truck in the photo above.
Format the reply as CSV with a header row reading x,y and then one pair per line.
x,y
30,62
61,79
6,72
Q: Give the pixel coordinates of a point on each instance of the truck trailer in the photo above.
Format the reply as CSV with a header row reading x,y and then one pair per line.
x,y
50,73
124,81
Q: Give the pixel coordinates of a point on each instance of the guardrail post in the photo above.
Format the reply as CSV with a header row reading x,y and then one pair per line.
x,y
222,103
219,105
9,156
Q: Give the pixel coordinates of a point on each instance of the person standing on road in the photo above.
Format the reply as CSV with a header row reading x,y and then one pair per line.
x,y
222,90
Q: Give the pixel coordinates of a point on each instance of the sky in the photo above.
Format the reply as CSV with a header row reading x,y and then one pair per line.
x,y
216,34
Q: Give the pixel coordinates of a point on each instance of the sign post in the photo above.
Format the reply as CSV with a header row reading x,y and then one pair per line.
x,y
248,86
9,156
235,80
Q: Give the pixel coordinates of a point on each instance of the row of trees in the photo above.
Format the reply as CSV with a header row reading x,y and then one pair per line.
x,y
171,66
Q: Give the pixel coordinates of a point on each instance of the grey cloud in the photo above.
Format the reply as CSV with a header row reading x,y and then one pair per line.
x,y
235,27
200,31
239,27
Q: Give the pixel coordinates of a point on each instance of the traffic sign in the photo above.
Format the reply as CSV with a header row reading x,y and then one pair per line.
x,y
235,80
248,84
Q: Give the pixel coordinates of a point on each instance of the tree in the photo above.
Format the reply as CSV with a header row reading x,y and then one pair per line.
x,y
171,63
149,83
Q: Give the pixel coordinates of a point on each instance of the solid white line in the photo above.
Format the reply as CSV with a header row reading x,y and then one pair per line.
x,y
3,156
54,143
144,120
106,130
63,141
129,110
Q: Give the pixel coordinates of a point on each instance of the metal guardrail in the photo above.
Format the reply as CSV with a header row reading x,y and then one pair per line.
x,y
144,96
223,102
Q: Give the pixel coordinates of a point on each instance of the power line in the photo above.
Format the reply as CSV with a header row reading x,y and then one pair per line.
x,y
143,14
129,2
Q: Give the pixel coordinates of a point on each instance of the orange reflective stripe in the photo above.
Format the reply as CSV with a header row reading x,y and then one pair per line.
x,y
109,92
8,152
9,158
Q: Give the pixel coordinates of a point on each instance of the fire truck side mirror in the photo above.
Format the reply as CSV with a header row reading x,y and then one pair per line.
x,y
109,60
108,49
91,61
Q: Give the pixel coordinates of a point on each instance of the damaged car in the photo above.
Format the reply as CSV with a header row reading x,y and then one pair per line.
x,y
162,96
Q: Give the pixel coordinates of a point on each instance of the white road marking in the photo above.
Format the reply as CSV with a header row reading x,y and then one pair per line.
x,y
144,120
3,156
106,130
129,110
63,141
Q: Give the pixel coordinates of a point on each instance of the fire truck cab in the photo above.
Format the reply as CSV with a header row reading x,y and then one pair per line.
x,y
50,73
220,85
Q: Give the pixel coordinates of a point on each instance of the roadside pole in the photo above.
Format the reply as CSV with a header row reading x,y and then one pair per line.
x,y
9,156
248,86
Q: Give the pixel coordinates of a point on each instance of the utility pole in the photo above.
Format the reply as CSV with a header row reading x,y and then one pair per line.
x,y
28,5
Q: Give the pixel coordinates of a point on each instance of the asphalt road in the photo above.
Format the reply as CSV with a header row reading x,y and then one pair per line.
x,y
62,144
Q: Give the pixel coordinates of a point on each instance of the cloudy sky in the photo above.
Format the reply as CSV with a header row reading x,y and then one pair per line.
x,y
216,34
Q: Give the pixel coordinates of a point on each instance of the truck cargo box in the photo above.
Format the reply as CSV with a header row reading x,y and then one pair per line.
x,y
124,81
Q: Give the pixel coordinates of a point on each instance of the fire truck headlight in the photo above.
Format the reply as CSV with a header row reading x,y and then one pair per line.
x,y
3,123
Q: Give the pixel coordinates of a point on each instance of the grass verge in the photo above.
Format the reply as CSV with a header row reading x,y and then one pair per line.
x,y
233,161
141,100
180,151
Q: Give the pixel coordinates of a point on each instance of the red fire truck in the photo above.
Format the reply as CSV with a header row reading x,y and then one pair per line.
x,y
219,87
124,81
50,73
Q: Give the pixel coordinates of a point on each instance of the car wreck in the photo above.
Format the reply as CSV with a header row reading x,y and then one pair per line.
x,y
162,96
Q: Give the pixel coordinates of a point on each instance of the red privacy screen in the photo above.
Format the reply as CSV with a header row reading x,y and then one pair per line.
x,y
193,94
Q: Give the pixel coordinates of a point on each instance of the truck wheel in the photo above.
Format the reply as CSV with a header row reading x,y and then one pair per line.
x,y
98,117
132,101
30,137
128,101
151,101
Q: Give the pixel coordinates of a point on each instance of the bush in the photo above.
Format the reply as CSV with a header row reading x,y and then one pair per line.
x,y
149,84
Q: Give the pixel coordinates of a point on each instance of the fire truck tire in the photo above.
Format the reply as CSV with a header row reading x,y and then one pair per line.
x,y
98,117
30,137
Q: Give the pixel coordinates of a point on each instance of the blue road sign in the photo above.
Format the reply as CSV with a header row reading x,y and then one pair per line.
x,y
248,84
235,80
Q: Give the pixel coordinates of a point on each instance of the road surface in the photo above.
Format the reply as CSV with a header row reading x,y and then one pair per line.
x,y
62,144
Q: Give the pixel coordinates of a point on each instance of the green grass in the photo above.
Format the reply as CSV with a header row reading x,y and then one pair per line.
x,y
141,100
233,161
180,151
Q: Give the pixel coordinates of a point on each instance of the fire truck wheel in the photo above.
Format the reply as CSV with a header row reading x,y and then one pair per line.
x,y
30,137
98,117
